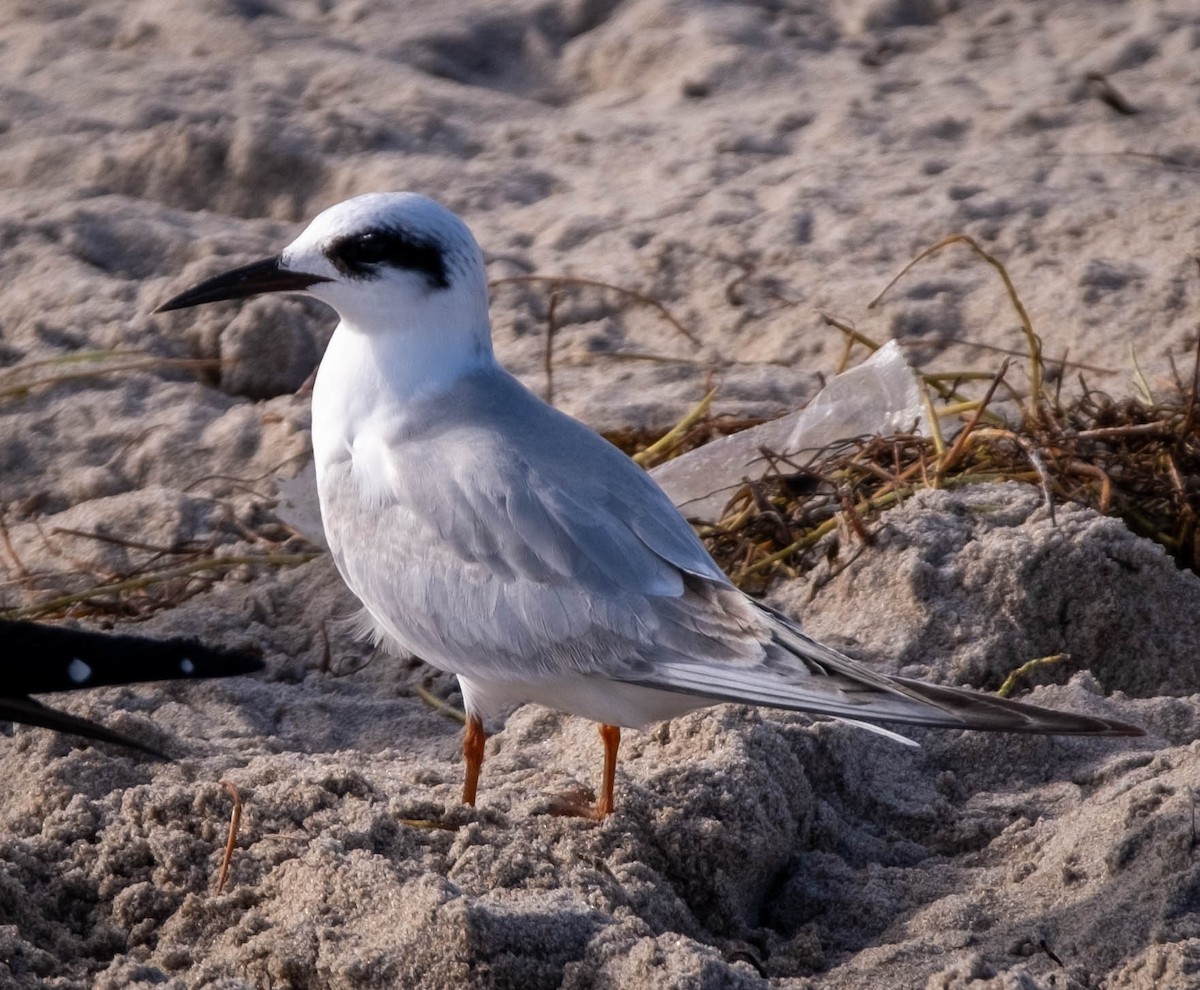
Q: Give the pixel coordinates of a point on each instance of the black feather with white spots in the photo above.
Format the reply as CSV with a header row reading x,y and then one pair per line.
x,y
44,658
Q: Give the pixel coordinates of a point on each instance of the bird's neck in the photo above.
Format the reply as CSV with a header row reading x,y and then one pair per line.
x,y
364,377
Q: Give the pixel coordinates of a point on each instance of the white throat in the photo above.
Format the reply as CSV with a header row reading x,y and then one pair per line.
x,y
367,380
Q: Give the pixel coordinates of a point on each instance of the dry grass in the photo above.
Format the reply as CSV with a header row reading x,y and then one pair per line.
x,y
1137,458
18,381
158,577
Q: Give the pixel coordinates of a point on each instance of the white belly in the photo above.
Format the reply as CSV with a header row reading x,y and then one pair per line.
x,y
630,706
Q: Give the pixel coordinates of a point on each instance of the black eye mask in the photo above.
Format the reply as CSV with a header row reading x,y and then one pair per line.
x,y
360,255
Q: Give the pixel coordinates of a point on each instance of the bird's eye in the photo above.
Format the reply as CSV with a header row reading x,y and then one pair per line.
x,y
365,249
361,255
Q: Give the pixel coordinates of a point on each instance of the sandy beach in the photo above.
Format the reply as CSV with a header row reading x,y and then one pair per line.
x,y
738,172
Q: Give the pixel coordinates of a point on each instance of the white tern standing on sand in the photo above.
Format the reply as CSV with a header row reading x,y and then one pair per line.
x,y
501,540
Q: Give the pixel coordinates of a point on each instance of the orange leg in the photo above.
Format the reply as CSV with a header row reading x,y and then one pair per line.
x,y
611,736
473,740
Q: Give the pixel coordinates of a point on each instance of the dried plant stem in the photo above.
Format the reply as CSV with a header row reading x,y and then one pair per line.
x,y
554,281
235,820
150,364
436,703
672,436
147,580
814,535
1091,470
852,332
953,455
1032,341
1010,682
935,426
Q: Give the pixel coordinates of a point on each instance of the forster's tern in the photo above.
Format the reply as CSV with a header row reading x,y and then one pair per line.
x,y
499,539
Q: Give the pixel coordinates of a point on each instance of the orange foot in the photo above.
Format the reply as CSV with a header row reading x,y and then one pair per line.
x,y
580,803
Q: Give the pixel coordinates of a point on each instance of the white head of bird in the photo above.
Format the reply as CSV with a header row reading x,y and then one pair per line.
x,y
405,275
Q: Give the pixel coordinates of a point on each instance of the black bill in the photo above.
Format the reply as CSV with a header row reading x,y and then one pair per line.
x,y
249,280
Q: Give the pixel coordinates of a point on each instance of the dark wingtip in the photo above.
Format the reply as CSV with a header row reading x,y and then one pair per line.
x,y
988,712
27,711
1116,728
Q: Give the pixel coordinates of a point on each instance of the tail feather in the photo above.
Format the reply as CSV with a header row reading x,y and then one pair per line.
x,y
800,674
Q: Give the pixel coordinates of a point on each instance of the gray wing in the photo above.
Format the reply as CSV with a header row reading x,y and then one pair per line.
x,y
513,543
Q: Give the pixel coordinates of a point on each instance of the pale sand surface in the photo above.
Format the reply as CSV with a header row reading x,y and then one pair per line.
x,y
749,166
